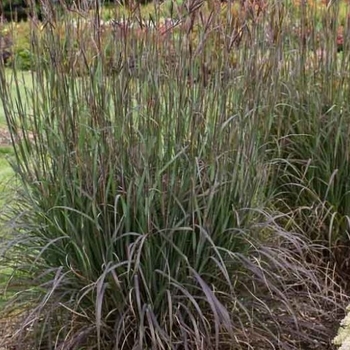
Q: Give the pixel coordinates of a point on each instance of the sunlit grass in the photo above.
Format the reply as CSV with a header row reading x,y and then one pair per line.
x,y
5,168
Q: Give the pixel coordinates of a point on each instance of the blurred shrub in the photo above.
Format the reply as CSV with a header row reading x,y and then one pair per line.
x,y
19,33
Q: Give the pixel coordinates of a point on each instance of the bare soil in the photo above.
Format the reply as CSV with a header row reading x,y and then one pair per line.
x,y
7,328
5,137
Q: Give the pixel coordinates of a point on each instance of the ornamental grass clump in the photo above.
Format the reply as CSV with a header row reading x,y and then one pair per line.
x,y
144,216
313,152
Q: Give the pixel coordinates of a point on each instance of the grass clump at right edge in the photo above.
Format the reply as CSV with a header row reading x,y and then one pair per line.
x,y
145,218
313,150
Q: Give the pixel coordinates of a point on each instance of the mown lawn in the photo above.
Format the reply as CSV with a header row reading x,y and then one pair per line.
x,y
5,147
6,175
25,79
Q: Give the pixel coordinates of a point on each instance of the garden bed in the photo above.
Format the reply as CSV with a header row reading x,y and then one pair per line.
x,y
185,184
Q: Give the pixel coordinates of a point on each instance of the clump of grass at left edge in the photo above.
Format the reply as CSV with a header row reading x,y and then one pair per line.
x,y
146,217
7,189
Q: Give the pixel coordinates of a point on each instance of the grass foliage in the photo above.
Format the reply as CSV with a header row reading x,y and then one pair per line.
x,y
185,189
